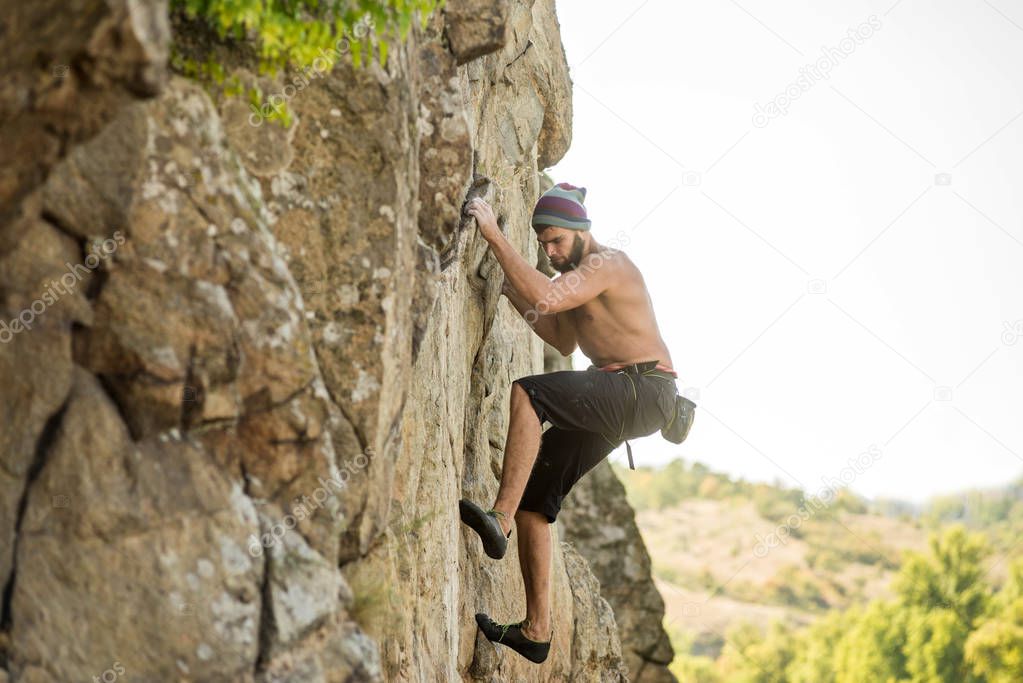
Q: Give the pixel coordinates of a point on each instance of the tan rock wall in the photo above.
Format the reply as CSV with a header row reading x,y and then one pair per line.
x,y
601,525
233,446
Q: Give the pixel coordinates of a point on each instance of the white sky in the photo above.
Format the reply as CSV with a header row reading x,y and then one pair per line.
x,y
920,279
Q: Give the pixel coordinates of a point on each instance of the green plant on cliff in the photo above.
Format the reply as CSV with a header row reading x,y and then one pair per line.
x,y
293,32
300,34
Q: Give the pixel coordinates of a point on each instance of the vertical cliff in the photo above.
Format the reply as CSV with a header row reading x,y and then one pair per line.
x,y
266,362
599,522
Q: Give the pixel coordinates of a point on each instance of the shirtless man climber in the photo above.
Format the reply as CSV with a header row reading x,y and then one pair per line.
x,y
600,302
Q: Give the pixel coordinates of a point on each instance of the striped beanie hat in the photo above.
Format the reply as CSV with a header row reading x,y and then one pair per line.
x,y
561,206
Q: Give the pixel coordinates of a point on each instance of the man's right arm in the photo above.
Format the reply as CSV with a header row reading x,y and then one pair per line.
x,y
545,325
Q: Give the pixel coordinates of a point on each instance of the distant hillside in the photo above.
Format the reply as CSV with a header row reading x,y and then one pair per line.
x,y
729,555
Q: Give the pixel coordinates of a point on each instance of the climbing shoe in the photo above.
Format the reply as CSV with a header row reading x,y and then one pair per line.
x,y
484,523
512,636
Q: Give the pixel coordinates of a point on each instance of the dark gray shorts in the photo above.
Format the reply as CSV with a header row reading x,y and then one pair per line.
x,y
591,413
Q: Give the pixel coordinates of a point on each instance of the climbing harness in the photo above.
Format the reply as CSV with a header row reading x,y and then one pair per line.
x,y
648,369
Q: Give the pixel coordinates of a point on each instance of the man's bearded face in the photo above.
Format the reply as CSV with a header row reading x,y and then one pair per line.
x,y
564,248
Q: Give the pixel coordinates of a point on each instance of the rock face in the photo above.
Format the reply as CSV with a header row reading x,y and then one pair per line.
x,y
601,525
247,372
65,78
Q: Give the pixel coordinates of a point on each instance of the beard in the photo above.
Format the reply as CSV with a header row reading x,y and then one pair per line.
x,y
575,257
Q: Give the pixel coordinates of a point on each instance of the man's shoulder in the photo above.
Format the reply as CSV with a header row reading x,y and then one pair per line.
x,y
623,267
609,259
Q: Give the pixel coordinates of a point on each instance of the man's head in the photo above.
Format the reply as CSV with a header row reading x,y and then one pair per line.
x,y
561,225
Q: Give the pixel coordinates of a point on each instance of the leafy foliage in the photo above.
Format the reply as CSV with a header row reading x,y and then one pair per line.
x,y
946,620
951,577
945,624
304,35
295,32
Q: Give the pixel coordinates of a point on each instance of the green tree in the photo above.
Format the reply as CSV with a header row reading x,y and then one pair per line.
x,y
814,659
872,647
995,649
950,577
750,656
934,648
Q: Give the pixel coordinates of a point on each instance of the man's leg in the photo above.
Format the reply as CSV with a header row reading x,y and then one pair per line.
x,y
535,561
565,456
520,449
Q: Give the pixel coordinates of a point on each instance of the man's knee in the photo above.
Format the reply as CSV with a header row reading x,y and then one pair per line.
x,y
530,517
521,401
518,393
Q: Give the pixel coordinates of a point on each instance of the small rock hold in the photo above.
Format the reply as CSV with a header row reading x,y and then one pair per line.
x,y
485,659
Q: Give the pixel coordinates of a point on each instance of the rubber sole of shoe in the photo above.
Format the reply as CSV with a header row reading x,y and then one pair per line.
x,y
478,521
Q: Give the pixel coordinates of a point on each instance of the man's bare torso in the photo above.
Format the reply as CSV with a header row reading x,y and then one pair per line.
x,y
619,325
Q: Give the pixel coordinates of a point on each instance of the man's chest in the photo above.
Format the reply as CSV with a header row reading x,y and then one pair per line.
x,y
590,315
